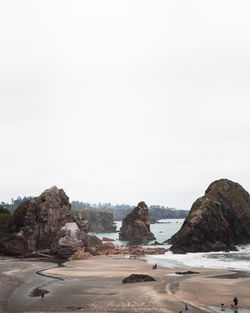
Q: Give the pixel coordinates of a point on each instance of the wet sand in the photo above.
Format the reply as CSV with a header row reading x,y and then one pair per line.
x,y
95,285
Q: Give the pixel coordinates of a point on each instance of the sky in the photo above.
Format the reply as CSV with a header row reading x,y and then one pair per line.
x,y
124,101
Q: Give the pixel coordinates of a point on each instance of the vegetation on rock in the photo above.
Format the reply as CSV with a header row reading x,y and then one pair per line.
x,y
217,221
100,221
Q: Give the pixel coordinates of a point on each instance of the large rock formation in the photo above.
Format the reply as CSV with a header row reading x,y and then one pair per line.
x,y
68,241
136,226
217,221
35,223
45,223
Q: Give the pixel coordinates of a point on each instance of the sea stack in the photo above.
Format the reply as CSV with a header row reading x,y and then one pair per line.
x,y
35,223
136,226
218,221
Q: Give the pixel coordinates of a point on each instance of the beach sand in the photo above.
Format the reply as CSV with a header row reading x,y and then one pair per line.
x,y
95,285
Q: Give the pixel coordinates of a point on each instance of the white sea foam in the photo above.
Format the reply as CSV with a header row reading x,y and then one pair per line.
x,y
174,274
237,260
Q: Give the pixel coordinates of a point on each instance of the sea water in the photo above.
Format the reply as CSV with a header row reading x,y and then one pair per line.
x,y
235,260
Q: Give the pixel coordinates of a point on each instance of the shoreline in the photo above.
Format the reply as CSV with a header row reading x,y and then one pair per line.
x,y
94,285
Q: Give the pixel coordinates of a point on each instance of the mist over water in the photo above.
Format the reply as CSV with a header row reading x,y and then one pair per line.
x,y
235,260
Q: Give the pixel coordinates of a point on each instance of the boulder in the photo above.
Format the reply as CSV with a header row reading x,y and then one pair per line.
x,y
68,241
92,244
136,226
218,221
72,243
186,273
81,222
137,278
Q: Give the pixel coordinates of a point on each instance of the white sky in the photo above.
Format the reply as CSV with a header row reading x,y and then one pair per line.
x,y
123,101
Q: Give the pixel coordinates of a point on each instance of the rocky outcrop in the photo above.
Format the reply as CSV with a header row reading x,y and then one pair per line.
x,y
218,221
43,225
35,223
137,278
68,241
136,226
100,221
81,222
110,249
71,242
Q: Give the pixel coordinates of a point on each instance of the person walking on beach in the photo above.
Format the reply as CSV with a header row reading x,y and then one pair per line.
x,y
235,300
42,295
186,308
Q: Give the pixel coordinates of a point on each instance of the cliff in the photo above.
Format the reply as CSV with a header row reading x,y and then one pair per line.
x,y
136,226
100,221
217,221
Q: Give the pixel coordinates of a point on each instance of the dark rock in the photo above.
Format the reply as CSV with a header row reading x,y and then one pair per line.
x,y
107,239
37,292
186,273
74,308
156,243
217,221
137,278
136,226
35,223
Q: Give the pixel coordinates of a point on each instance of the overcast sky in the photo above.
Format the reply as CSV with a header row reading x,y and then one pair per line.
x,y
123,101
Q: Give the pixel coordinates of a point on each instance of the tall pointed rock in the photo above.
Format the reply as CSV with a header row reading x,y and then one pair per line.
x,y
136,226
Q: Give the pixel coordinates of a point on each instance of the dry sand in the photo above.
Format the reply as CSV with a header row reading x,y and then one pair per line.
x,y
95,285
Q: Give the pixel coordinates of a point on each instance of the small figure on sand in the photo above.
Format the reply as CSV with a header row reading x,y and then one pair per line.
x,y
235,300
154,267
186,307
42,295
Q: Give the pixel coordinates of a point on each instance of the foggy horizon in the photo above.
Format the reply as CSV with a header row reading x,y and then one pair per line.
x,y
124,102
96,203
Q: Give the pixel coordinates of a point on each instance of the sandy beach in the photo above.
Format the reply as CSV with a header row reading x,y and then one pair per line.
x,y
95,285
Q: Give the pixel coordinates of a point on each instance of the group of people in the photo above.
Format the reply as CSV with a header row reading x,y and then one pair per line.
x,y
154,267
235,305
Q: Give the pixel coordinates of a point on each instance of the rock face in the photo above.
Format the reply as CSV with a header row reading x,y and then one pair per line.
x,y
136,226
36,222
217,221
68,241
81,222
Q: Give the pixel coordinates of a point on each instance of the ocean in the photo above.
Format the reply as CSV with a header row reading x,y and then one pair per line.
x,y
235,260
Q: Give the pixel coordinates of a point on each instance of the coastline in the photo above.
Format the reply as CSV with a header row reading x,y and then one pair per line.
x,y
94,285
